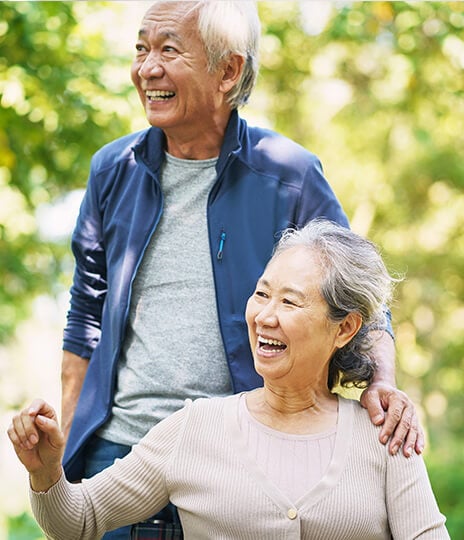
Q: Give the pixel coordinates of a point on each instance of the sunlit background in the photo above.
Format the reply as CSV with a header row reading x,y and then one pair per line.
x,y
375,89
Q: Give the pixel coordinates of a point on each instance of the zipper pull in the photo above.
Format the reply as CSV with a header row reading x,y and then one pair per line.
x,y
221,245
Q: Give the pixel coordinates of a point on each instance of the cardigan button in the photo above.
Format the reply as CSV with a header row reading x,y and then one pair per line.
x,y
292,513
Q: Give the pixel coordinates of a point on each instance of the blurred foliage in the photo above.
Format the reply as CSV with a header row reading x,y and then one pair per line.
x,y
375,89
57,107
447,476
24,527
377,93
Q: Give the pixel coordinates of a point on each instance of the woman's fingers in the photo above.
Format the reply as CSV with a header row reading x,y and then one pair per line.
x,y
24,430
52,429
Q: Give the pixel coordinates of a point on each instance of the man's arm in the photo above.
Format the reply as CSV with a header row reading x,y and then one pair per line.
x,y
73,373
386,404
389,406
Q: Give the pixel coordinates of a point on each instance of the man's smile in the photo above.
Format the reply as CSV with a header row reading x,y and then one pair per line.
x,y
159,95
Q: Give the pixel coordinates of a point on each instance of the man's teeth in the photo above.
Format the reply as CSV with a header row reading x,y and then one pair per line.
x,y
159,94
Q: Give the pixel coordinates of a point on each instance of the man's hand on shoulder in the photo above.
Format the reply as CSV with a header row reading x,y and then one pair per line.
x,y
392,408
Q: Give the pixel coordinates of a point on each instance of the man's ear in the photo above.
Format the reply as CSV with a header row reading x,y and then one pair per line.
x,y
348,328
231,72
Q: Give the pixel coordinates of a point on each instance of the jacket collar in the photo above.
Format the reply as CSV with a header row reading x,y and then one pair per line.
x,y
232,140
149,150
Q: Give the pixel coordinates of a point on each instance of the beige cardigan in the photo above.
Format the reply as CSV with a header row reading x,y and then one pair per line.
x,y
197,459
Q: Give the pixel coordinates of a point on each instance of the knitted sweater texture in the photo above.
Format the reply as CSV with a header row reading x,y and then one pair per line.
x,y
197,459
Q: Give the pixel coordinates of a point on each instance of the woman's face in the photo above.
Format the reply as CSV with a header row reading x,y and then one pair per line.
x,y
291,336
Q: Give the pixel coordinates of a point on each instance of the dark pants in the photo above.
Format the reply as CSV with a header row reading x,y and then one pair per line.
x,y
165,525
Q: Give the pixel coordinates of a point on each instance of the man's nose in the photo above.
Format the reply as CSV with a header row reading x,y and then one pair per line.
x,y
151,67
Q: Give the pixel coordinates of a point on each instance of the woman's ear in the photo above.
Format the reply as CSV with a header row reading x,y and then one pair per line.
x,y
348,328
231,72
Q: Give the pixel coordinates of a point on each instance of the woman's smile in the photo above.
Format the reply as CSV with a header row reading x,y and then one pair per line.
x,y
270,347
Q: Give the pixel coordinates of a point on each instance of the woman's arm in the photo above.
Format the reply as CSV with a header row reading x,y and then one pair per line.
x,y
411,506
131,490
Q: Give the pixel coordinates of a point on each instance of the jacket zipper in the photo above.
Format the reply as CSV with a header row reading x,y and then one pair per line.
x,y
222,239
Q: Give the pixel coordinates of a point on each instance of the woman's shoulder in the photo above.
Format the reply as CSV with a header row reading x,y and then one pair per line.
x,y
363,428
205,421
355,408
211,405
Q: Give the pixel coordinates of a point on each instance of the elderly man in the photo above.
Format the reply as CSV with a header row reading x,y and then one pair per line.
x,y
176,225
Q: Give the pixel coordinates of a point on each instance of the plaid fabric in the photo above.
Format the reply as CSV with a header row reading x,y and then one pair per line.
x,y
157,530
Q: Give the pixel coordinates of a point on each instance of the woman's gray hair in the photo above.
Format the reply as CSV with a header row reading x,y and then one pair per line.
x,y
231,27
355,279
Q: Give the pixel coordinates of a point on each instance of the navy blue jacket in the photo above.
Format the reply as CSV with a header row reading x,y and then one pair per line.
x,y
265,183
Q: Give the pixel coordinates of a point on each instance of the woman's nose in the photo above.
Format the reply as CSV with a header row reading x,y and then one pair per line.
x,y
151,67
267,316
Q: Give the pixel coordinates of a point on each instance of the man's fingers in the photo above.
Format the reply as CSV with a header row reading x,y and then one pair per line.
x,y
399,423
402,426
410,441
393,416
371,402
420,441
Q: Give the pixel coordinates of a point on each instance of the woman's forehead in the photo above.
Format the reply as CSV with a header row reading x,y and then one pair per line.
x,y
296,265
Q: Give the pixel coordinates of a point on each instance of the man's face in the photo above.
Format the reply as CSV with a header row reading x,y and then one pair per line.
x,y
170,71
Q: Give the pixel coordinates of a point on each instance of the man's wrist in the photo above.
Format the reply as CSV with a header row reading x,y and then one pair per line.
x,y
384,380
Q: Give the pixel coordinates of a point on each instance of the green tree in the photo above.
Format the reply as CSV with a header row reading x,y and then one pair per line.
x,y
57,106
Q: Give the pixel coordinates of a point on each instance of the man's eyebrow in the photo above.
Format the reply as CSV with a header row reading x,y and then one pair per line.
x,y
166,34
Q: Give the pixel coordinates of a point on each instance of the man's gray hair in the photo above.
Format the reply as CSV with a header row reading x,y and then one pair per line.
x,y
231,27
355,279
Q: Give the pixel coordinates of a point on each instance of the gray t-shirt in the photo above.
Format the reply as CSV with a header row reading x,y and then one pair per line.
x,y
173,347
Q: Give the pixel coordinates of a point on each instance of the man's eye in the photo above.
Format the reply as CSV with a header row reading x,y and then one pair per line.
x,y
140,48
288,302
262,294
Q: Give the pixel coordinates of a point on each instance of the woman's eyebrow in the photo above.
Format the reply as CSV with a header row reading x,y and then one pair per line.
x,y
286,290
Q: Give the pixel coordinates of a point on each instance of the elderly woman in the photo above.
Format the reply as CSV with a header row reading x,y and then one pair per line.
x,y
288,460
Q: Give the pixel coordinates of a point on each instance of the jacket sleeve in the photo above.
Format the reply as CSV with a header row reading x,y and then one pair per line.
x,y
317,197
88,291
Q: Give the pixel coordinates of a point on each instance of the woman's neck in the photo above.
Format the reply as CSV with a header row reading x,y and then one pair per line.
x,y
300,411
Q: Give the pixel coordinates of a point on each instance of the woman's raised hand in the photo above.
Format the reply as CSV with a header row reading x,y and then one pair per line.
x,y
38,443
